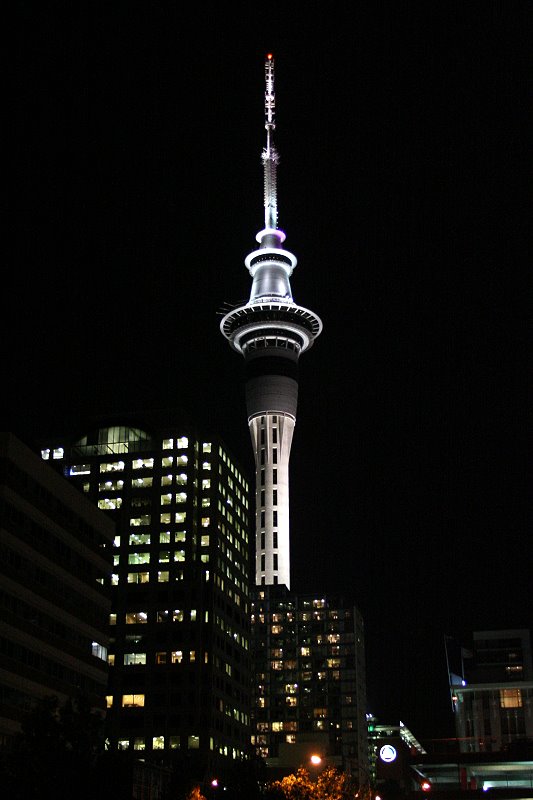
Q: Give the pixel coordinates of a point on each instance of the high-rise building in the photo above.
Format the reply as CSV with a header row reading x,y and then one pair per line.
x,y
179,657
271,331
309,684
54,636
491,687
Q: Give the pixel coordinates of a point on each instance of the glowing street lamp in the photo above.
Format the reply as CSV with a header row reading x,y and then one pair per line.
x,y
315,760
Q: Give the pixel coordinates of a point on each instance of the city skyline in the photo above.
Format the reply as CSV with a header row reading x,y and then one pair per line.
x,y
402,187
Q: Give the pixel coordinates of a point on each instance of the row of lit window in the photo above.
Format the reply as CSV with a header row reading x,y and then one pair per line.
x,y
165,537
164,557
174,657
173,743
233,469
165,615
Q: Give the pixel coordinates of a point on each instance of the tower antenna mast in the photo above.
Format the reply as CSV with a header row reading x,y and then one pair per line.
x,y
270,155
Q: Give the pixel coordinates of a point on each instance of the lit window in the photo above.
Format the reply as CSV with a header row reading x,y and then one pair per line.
x,y
109,503
139,743
176,656
168,444
99,651
123,744
167,461
109,700
206,465
138,577
139,538
142,483
204,558
174,742
112,466
206,447
142,463
205,522
164,537
160,658
136,617
114,579
182,460
510,698
132,700
204,540
58,452
177,615
138,558
206,483
162,577
206,502
180,536
192,655
182,442
158,743
136,522
180,517
181,479
112,619
162,616
193,742
166,499
45,454
80,469
181,497
179,555
165,518
130,659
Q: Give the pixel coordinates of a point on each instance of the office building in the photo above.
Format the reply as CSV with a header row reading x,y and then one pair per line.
x,y
491,689
179,656
309,686
55,564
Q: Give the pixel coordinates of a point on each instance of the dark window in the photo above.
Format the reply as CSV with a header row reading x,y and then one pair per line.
x,y
275,518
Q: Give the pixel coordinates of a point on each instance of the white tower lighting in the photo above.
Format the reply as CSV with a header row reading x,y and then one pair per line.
x,y
271,332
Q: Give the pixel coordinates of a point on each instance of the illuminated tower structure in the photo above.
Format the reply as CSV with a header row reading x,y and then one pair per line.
x,y
271,331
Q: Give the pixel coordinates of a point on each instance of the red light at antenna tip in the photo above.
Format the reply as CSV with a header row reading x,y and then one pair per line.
x,y
269,56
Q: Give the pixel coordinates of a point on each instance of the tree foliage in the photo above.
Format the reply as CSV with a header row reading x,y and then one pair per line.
x,y
330,784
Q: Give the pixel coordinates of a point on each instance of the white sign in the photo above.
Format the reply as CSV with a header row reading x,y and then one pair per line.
x,y
387,753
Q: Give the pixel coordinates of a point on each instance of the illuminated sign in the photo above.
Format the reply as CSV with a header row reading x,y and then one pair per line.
x,y
387,753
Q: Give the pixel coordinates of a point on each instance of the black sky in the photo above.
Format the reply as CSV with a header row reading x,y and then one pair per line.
x,y
402,189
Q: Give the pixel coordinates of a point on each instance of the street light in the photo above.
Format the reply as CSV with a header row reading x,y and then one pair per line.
x,y
315,760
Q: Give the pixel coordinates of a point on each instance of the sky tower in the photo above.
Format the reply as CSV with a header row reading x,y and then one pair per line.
x,y
271,332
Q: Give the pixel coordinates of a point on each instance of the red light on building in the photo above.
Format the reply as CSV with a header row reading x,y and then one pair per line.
x,y
425,786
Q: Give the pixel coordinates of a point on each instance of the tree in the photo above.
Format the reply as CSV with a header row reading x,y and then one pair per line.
x,y
331,784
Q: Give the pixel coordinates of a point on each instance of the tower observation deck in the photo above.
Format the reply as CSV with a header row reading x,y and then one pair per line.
x,y
271,331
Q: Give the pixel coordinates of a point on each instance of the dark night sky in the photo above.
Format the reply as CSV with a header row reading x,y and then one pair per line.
x,y
402,189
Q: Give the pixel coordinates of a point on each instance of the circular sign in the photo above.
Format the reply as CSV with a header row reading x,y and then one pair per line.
x,y
387,753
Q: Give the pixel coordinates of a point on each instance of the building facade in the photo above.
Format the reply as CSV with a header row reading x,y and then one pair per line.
x,y
179,655
491,686
309,685
54,637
